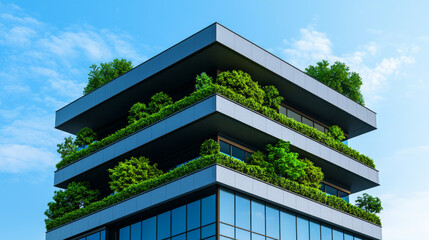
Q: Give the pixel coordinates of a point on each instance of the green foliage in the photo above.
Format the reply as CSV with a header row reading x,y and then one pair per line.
x,y
241,83
158,101
206,161
76,196
209,147
137,111
284,162
203,80
67,147
131,172
336,133
272,99
313,175
259,158
369,203
338,77
106,72
85,136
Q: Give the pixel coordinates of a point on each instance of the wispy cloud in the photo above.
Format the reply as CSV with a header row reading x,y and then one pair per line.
x,y
16,158
313,46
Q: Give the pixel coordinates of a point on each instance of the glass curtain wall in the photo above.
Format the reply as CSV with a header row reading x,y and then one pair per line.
x,y
95,236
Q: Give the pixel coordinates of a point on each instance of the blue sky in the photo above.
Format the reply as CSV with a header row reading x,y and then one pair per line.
x,y
46,48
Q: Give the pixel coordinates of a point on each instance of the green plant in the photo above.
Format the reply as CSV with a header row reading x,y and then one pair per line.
x,y
131,172
106,72
76,196
209,147
272,99
369,203
241,83
159,101
313,175
338,77
284,162
202,81
137,111
85,136
67,147
336,133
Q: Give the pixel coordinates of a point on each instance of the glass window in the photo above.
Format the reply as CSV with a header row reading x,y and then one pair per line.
x,y
358,238
348,237
282,110
273,222
319,127
226,230
136,231
208,208
124,233
326,233
337,235
95,236
180,237
224,238
194,235
241,234
302,228
194,215
307,121
314,231
322,187
225,147
208,231
242,212
294,115
178,220
331,191
239,153
164,225
258,217
149,229
288,226
343,195
103,235
226,207
257,237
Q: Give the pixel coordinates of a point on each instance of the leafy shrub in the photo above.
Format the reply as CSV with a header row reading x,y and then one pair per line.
x,y
272,99
131,172
76,196
336,133
67,147
159,101
209,147
369,203
241,83
284,162
313,175
106,72
202,81
137,111
208,160
85,136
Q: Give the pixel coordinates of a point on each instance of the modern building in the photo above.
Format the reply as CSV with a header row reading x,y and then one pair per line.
x,y
216,202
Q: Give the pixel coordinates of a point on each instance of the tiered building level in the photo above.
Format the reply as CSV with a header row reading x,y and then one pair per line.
x,y
216,202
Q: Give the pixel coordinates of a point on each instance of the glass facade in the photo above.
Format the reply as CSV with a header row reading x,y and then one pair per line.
x,y
195,220
334,191
233,151
95,236
298,117
245,218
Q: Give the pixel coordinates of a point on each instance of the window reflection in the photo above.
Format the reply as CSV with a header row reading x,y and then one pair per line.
x,y
258,217
233,151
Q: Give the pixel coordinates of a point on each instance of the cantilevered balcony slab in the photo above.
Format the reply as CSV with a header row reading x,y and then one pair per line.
x,y
212,116
216,175
213,48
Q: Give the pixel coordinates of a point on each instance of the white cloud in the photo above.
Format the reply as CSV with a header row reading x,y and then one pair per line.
x,y
314,46
16,158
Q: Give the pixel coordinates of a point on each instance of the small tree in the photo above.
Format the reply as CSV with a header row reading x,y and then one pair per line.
x,y
158,101
85,136
67,147
209,147
106,72
313,175
272,98
203,80
77,195
336,133
241,83
369,203
285,162
132,171
338,77
137,111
